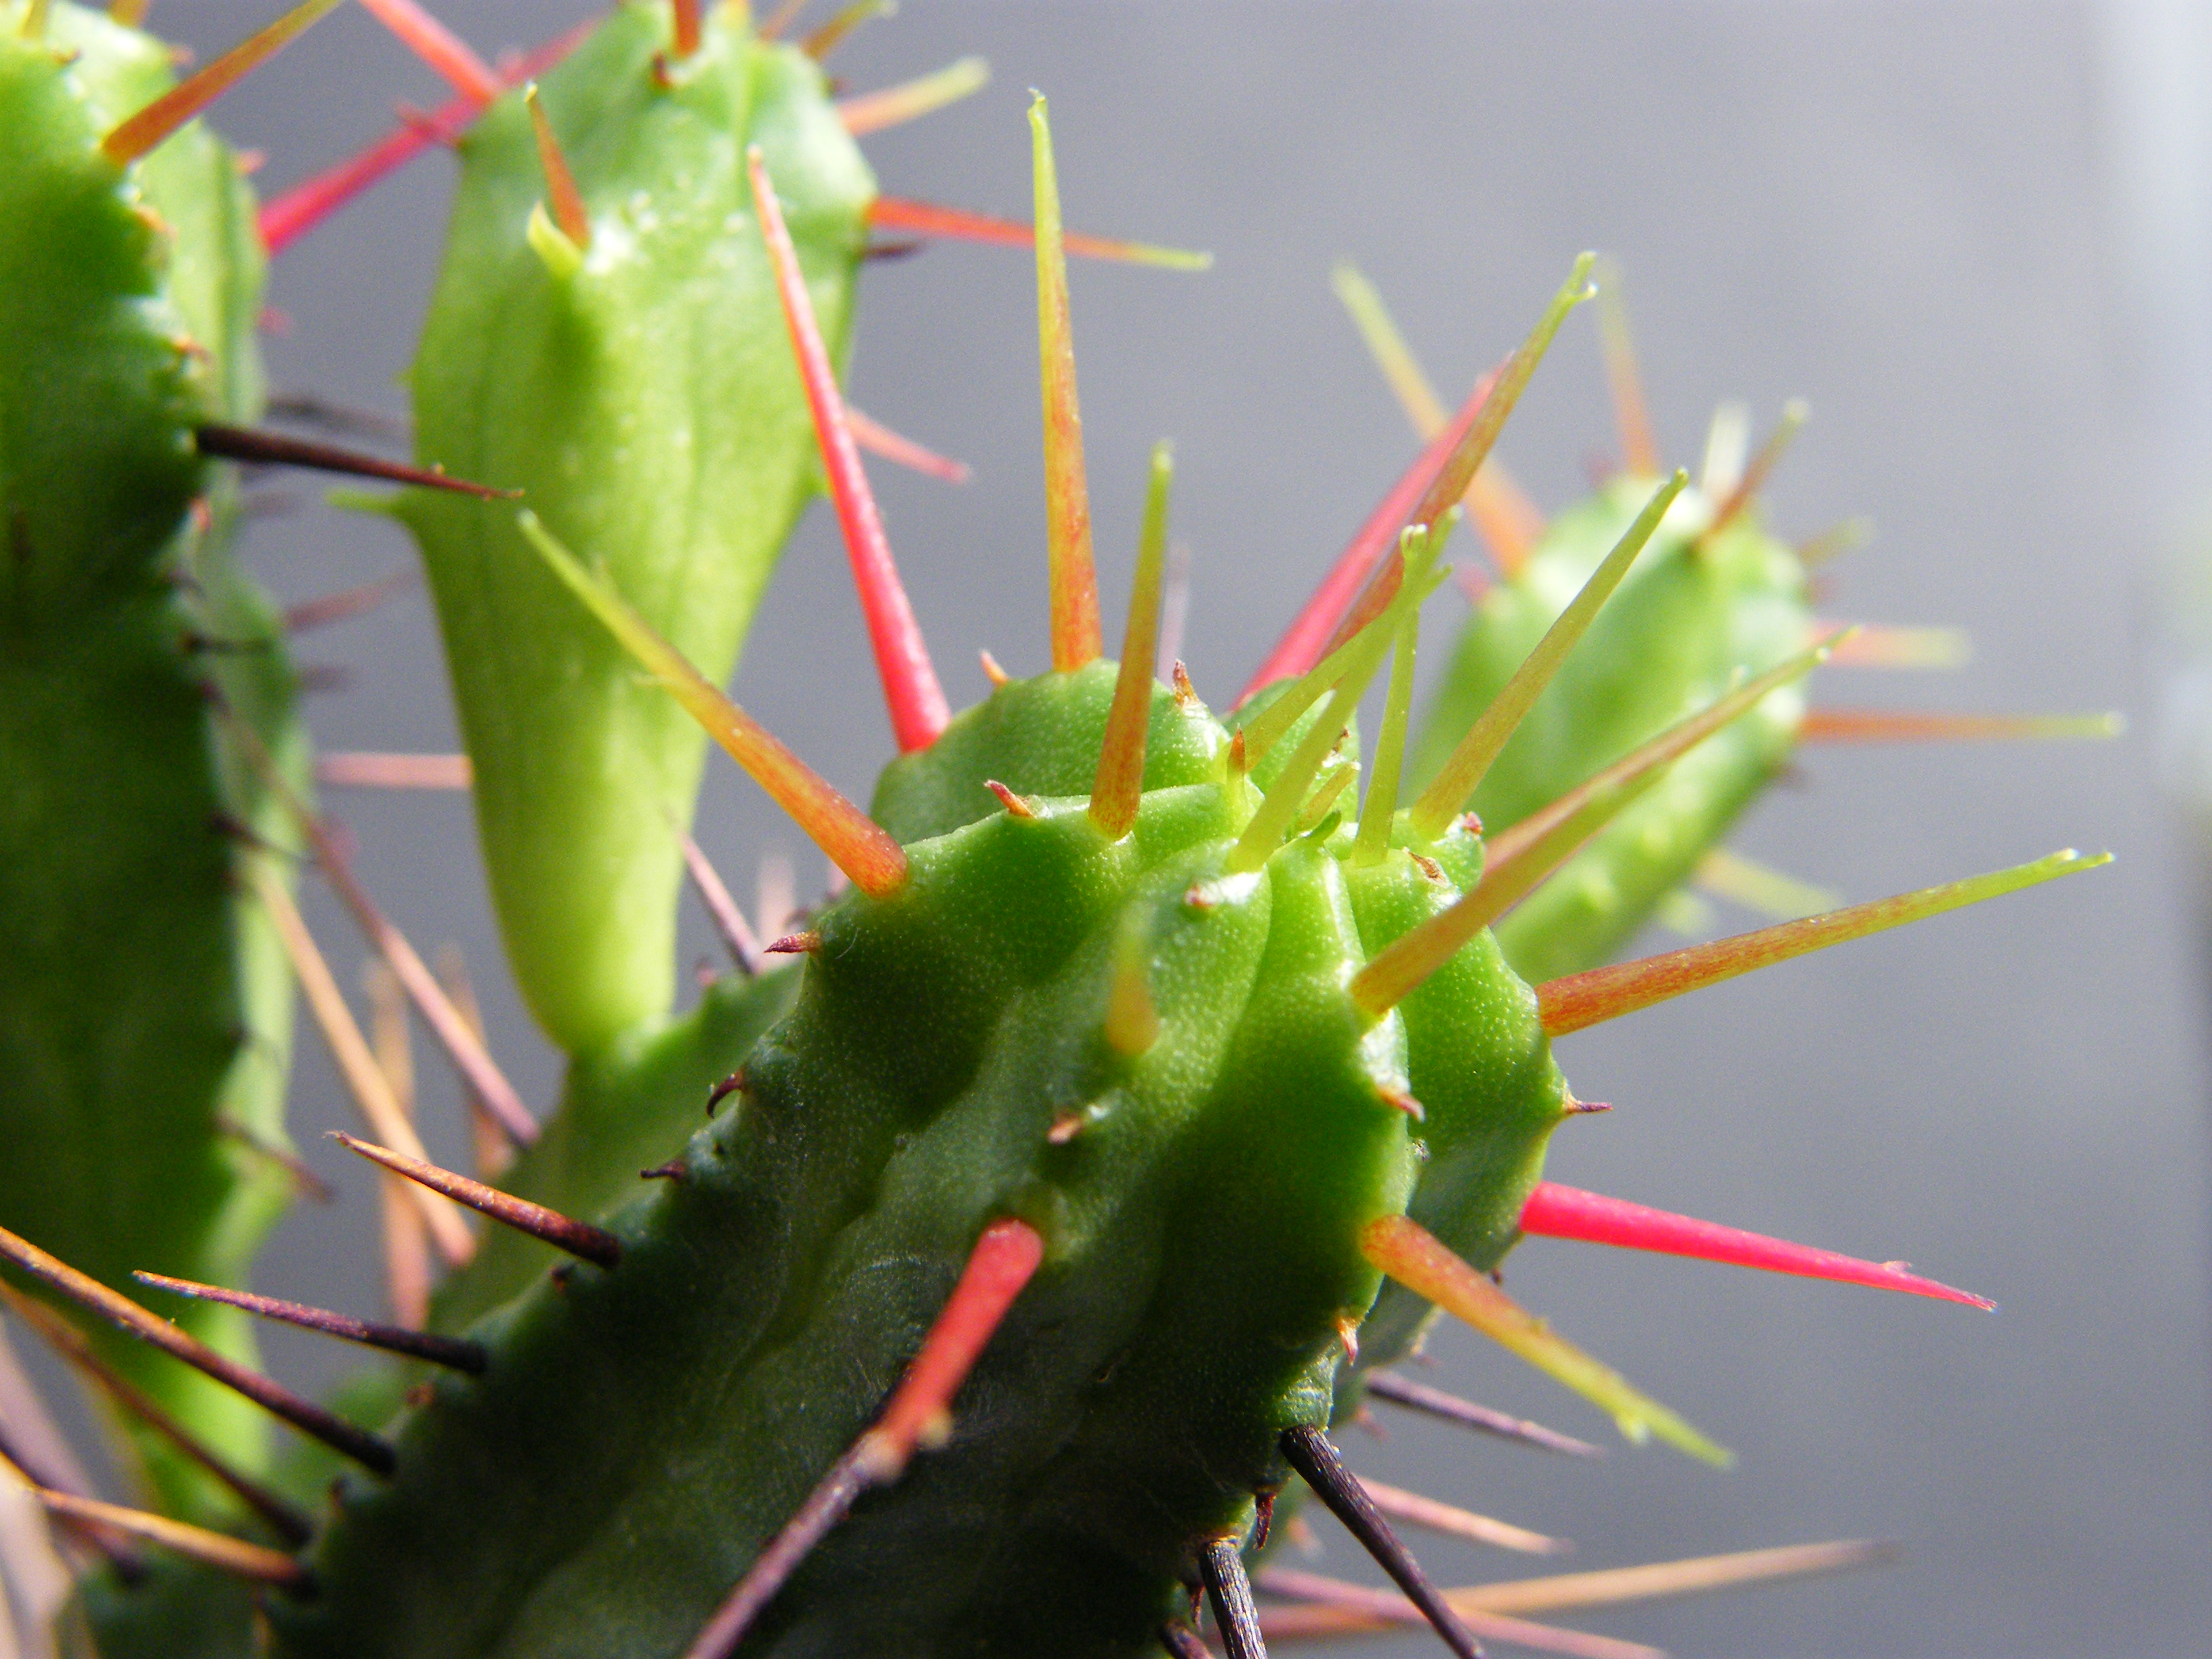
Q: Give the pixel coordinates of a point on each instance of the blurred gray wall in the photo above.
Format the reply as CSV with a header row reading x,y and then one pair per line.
x,y
1913,215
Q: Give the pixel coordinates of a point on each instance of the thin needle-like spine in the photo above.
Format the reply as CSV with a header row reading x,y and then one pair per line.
x,y
1486,738
1417,1509
1264,832
1510,524
909,101
1121,780
289,1522
854,843
121,1311
1839,725
568,211
736,933
579,1238
453,59
1556,1212
1795,414
1328,1606
406,1231
357,769
898,214
1235,1615
1310,1451
356,1062
1451,1408
1631,412
918,709
1580,1000
137,135
452,1353
1072,573
1521,857
1406,1251
1381,807
218,1550
236,443
918,1416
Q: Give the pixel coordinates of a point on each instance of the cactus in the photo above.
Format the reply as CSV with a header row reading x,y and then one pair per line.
x,y
1148,1093
145,1008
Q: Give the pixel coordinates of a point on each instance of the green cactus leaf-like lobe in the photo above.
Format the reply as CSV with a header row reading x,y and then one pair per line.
x,y
647,406
144,1002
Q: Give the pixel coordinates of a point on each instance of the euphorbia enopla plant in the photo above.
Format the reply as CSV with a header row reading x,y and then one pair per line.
x,y
1148,1090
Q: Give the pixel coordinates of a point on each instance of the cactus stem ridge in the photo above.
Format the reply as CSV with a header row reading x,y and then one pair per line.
x,y
909,101
730,924
1795,414
1311,1452
1557,1211
900,450
1074,576
452,1353
275,449
286,218
903,216
1120,779
579,1238
127,1315
1510,524
1408,1252
453,58
1624,379
1409,1395
1486,738
347,602
254,1562
918,1415
1832,726
917,700
137,135
1579,1000
566,202
289,1523
1222,1566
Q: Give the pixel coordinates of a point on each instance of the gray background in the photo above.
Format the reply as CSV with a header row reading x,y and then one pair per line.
x,y
1906,213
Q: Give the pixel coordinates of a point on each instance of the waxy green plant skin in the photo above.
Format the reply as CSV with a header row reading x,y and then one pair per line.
x,y
1695,612
144,1003
1202,1234
644,401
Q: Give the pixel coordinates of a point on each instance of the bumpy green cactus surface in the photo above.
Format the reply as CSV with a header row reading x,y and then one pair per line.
x,y
144,1005
639,389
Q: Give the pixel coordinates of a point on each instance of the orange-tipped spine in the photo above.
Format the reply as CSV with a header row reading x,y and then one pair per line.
x,y
853,842
910,218
134,136
1073,572
1580,1000
453,59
